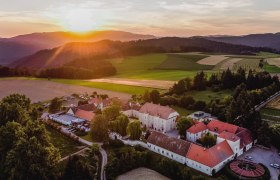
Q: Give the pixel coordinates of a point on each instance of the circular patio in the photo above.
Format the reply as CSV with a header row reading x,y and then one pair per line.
x,y
247,169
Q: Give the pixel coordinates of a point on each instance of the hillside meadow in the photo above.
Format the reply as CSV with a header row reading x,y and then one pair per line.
x,y
177,66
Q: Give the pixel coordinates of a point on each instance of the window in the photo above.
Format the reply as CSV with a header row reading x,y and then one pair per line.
x,y
171,155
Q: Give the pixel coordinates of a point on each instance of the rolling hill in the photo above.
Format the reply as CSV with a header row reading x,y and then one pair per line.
x,y
269,40
17,47
112,49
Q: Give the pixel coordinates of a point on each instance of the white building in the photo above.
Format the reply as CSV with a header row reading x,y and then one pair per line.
x,y
208,161
167,146
157,117
196,132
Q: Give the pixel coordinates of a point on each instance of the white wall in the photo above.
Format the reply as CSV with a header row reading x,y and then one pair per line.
x,y
166,153
195,136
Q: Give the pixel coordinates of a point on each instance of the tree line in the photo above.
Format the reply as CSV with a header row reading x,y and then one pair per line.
x,y
82,68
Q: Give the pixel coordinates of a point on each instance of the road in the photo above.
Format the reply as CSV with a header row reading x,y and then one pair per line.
x,y
101,150
159,84
78,152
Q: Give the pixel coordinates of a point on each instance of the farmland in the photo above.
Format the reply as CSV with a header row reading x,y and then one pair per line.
x,y
186,62
177,66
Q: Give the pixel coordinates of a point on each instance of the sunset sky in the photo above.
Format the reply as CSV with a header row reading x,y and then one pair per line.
x,y
157,17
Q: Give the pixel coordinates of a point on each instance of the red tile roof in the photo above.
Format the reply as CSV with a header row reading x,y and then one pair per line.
x,y
245,136
87,115
198,127
219,127
156,110
212,156
87,107
172,144
229,136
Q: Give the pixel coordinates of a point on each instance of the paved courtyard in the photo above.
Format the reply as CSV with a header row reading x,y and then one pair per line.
x,y
266,157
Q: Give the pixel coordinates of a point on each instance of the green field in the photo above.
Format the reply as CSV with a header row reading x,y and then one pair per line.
x,y
208,95
144,67
271,68
186,62
182,111
270,114
65,145
180,65
106,86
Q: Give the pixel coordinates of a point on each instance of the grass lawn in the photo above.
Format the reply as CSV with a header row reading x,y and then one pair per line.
x,y
65,145
208,95
107,86
182,111
143,67
271,68
183,62
138,64
87,137
170,75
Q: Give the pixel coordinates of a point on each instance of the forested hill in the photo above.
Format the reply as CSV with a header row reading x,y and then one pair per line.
x,y
269,40
65,54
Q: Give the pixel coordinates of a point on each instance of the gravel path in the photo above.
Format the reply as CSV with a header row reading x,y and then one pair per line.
x,y
41,90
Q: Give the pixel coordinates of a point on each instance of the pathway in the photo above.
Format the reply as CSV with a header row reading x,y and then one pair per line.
x,y
101,150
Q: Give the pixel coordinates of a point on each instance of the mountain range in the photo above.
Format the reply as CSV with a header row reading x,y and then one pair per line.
x,y
45,50
12,49
62,55
269,40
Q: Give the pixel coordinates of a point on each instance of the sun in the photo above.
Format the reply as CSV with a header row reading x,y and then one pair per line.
x,y
78,20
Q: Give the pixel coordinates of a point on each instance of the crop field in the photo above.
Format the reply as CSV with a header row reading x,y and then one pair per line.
x,y
127,89
275,104
271,115
273,61
176,66
186,62
212,60
227,64
247,63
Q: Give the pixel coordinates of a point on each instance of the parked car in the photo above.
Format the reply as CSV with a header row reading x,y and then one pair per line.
x,y
249,157
277,166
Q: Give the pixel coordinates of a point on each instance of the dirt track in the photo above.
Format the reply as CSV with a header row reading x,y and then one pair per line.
x,y
135,82
41,90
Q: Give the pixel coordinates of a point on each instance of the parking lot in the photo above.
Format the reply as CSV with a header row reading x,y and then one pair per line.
x,y
266,157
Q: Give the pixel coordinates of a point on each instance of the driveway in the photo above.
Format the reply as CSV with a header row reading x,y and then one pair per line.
x,y
266,157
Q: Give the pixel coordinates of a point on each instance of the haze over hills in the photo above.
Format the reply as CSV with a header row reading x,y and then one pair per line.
x,y
17,47
64,54
255,40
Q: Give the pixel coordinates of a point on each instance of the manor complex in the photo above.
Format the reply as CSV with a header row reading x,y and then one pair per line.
x,y
231,141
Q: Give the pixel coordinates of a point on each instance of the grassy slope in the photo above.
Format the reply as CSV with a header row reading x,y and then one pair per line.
x,y
269,114
183,62
107,86
142,67
65,145
248,63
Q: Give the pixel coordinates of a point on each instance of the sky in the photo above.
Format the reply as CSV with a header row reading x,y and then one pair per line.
x,y
156,17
